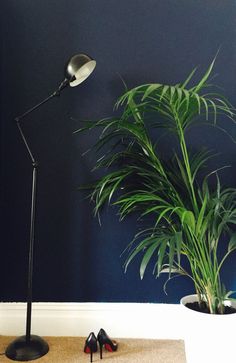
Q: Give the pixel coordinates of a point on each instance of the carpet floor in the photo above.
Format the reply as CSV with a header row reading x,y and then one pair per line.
x,y
70,350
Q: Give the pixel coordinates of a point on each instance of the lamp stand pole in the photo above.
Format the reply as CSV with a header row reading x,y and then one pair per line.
x,y
28,346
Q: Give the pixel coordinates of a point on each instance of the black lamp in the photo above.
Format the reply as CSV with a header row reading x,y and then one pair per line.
x,y
29,347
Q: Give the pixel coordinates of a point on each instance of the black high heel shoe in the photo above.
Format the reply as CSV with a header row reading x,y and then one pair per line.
x,y
90,345
104,340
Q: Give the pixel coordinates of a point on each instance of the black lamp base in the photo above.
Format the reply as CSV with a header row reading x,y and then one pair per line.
x,y
23,350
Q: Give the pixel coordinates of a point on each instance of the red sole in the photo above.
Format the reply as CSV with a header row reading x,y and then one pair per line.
x,y
109,348
87,350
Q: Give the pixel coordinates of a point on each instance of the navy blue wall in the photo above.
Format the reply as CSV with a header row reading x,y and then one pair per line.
x,y
141,40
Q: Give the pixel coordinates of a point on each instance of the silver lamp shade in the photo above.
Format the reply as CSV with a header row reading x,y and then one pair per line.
x,y
78,68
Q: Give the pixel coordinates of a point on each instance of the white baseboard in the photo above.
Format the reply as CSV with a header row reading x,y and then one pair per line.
x,y
124,320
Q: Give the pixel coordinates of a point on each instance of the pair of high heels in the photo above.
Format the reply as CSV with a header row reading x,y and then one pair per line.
x,y
91,343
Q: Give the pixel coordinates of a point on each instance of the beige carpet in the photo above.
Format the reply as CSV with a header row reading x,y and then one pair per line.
x,y
70,350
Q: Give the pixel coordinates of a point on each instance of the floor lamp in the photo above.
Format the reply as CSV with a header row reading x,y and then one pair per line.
x,y
28,346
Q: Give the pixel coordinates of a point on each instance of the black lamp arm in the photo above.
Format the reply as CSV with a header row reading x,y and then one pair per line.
x,y
19,118
56,93
34,163
63,85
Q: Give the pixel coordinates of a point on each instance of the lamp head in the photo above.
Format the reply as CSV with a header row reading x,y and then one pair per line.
x,y
78,68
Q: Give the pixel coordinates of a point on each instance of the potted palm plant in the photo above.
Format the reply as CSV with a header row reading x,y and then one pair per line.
x,y
186,213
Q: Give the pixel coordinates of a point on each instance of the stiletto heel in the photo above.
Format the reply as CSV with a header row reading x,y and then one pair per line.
x,y
105,340
90,345
100,347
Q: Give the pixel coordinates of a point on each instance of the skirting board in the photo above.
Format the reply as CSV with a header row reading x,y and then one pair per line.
x,y
124,320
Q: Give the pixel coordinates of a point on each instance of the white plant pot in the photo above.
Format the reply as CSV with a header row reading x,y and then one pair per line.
x,y
208,338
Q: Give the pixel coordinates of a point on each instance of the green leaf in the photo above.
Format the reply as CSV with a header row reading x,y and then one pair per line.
x,y
164,91
161,254
187,98
189,219
178,242
189,78
179,93
143,244
183,172
198,102
205,77
150,89
232,242
172,92
206,106
171,254
146,258
163,213
201,215
205,224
